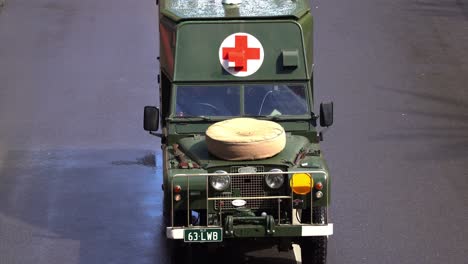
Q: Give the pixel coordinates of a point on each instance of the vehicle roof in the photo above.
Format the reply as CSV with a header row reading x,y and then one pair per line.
x,y
249,9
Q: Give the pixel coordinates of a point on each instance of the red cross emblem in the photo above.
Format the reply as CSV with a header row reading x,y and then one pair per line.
x,y
241,54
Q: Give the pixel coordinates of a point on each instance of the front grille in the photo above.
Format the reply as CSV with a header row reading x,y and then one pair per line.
x,y
247,186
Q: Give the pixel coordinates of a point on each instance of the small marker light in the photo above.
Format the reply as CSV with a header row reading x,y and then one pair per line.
x,y
177,197
319,186
319,194
177,189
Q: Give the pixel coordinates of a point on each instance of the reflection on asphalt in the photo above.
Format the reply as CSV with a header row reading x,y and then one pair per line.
x,y
98,212
85,206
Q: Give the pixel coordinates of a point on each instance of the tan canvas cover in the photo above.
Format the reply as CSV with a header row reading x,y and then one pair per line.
x,y
245,139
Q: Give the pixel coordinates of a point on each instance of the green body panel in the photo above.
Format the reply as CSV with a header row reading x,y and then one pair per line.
x,y
324,179
198,43
191,33
189,185
307,24
197,150
245,231
184,128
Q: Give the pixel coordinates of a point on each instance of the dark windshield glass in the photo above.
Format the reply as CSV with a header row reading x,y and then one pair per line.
x,y
275,99
225,101
208,101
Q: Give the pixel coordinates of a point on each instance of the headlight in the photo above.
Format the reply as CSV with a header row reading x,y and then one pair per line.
x,y
274,181
221,182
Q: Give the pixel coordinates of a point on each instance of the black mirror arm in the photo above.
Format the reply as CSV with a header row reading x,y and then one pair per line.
x,y
321,133
159,135
314,118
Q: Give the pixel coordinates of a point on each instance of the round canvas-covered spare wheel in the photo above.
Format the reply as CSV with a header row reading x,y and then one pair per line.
x,y
245,139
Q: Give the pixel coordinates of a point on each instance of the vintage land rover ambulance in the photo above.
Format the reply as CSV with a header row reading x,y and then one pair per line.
x,y
253,59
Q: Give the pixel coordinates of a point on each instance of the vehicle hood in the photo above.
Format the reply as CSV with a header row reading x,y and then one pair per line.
x,y
196,149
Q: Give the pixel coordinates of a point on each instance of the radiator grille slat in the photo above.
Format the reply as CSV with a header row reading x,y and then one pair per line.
x,y
247,186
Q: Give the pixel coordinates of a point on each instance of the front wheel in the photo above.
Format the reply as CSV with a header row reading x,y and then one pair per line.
x,y
314,249
178,253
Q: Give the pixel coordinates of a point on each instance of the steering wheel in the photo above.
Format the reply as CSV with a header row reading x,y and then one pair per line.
x,y
212,110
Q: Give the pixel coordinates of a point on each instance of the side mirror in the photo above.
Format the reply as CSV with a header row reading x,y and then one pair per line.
x,y
326,114
151,118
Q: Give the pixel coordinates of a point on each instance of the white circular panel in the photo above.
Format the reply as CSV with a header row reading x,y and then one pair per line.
x,y
239,203
241,54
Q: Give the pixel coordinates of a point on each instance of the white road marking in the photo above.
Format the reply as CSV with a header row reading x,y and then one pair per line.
x,y
297,253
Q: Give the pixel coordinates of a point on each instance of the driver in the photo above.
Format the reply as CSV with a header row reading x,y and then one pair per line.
x,y
207,101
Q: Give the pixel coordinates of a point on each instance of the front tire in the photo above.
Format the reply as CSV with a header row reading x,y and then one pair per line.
x,y
314,249
178,253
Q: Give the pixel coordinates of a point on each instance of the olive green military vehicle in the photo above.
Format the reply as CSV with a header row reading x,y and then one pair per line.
x,y
252,59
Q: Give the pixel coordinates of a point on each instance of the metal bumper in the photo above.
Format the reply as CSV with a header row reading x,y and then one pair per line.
x,y
282,231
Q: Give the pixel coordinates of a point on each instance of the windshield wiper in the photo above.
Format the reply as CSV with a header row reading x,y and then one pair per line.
x,y
276,117
204,118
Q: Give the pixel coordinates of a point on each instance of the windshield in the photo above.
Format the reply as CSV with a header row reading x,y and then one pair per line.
x,y
241,100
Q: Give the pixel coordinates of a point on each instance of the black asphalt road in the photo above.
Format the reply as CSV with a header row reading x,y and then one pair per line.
x,y
80,179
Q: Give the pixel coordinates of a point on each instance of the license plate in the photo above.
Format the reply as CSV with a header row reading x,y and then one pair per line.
x,y
203,235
